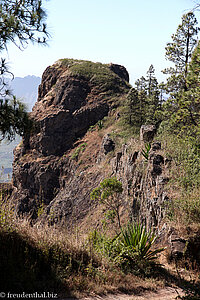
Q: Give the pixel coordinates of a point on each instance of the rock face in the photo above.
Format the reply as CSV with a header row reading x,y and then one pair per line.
x,y
107,145
144,184
120,71
73,96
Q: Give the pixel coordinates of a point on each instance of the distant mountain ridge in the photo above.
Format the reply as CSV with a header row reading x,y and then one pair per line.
x,y
26,89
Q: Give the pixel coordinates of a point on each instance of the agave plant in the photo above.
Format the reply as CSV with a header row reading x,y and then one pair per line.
x,y
145,152
136,241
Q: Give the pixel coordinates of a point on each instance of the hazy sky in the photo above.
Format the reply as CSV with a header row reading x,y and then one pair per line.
x,y
132,33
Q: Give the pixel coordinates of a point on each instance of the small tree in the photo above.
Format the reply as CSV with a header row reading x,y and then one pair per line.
x,y
141,84
108,193
144,100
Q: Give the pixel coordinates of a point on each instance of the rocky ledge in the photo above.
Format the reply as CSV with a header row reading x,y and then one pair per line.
x,y
73,96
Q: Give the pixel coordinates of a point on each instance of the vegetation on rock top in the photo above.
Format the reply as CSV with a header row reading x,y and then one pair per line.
x,y
98,74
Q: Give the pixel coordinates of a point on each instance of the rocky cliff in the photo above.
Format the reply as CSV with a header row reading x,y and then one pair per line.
x,y
73,96
73,147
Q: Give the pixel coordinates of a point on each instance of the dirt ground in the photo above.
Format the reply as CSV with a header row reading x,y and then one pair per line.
x,y
167,293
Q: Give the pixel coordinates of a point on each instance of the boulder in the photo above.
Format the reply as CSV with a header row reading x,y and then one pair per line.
x,y
156,146
107,145
147,133
178,245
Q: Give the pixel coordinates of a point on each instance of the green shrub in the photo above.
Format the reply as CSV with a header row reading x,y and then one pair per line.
x,y
103,244
187,159
98,74
185,208
184,154
136,241
130,249
100,124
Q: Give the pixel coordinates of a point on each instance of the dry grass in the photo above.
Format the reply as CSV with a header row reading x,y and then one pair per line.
x,y
77,267
67,262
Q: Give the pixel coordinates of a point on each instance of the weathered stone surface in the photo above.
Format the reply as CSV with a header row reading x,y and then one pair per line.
x,y
120,71
71,101
156,146
184,247
147,133
177,244
157,162
73,95
193,247
108,144
144,185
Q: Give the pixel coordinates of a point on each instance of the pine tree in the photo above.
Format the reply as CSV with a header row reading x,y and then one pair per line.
x,y
182,107
193,93
148,96
141,84
179,52
13,119
152,83
135,113
20,22
152,95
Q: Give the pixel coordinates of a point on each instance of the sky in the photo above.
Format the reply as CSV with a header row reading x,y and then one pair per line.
x,y
128,32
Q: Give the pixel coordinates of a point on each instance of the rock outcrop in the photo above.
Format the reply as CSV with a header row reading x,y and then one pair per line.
x,y
120,71
62,160
144,184
73,96
147,133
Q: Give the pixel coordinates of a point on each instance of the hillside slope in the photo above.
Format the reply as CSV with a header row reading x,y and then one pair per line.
x,y
79,140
